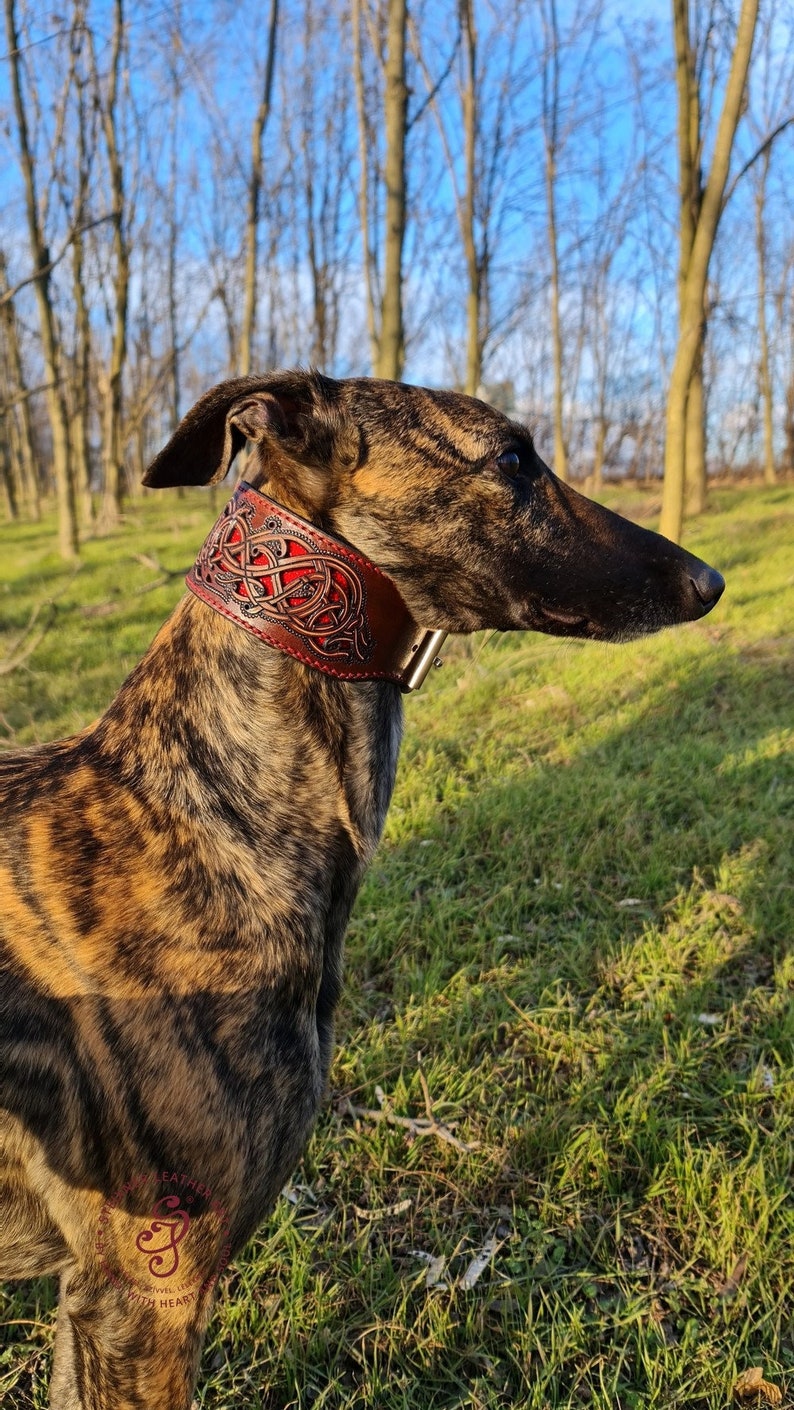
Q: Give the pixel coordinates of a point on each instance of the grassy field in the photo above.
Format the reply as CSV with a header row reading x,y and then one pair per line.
x,y
572,956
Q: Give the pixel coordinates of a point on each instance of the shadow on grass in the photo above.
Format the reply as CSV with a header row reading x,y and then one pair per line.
x,y
590,958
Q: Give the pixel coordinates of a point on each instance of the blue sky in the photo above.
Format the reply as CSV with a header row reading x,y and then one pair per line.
x,y
217,71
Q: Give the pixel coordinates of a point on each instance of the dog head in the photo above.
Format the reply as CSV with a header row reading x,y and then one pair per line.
x,y
449,498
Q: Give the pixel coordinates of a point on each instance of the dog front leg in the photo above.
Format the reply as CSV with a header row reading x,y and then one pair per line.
x,y
112,1353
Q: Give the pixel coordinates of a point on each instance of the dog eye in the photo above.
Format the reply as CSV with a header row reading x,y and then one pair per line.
x,y
520,466
514,464
509,462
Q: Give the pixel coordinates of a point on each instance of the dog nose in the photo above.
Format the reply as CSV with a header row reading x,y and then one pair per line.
x,y
709,586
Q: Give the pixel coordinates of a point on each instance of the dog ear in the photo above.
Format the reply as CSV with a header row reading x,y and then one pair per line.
x,y
288,414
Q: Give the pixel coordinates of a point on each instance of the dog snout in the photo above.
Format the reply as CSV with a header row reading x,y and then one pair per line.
x,y
709,586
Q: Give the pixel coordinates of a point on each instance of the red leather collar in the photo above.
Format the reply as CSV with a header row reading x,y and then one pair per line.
x,y
309,594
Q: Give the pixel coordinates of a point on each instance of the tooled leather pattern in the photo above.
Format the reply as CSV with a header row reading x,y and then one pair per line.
x,y
276,573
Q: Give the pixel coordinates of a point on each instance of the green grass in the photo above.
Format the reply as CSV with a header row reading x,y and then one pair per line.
x,y
577,934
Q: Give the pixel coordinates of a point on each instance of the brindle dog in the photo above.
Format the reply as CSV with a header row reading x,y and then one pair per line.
x,y
176,880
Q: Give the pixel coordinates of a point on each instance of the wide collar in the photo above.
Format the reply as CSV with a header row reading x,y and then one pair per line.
x,y
310,595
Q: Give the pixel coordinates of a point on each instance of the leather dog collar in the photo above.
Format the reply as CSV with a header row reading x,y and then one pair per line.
x,y
309,594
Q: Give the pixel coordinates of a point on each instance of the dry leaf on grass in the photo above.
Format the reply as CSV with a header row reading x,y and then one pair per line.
x,y
387,1211
436,1269
751,1386
479,1264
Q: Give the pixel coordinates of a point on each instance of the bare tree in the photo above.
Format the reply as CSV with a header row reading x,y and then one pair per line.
x,y
18,435
367,199
690,151
391,344
56,406
75,195
476,258
693,278
770,114
319,140
382,110
601,301
764,360
478,139
563,109
172,200
113,434
532,261
7,482
550,111
784,309
254,194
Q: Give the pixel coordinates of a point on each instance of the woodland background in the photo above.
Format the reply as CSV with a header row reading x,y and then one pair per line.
x,y
580,210
573,949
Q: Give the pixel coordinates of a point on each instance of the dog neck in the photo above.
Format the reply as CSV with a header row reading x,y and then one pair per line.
x,y
309,594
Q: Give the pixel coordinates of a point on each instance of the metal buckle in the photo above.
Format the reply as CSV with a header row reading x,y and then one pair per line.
x,y
424,657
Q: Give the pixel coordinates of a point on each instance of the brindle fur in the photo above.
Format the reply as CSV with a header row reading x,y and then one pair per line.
x,y
175,881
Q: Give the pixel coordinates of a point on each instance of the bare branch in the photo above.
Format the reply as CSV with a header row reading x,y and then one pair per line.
x,y
23,396
47,268
439,84
418,1126
28,641
764,147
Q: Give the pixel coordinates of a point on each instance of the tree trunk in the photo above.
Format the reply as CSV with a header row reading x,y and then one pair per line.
x,y
788,426
113,438
764,367
80,392
560,450
690,185
173,238
693,294
10,436
248,330
473,267
56,408
391,349
602,426
318,270
19,421
695,445
7,479
364,147
82,358
476,253
551,99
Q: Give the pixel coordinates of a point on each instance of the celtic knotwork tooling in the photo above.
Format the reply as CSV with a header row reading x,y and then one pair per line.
x,y
272,572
